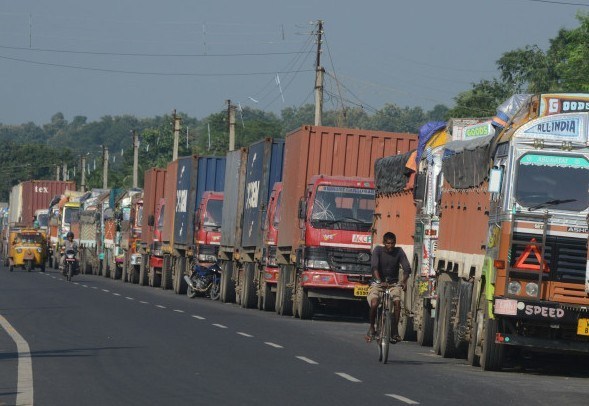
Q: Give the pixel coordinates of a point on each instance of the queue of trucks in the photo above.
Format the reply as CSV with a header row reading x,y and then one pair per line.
x,y
492,214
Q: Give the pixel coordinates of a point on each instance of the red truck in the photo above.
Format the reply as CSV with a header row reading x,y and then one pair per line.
x,y
325,239
269,268
207,233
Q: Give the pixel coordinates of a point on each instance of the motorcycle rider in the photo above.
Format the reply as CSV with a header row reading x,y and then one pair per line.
x,y
68,244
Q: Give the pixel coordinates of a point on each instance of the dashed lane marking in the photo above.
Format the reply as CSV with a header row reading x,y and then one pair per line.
x,y
273,344
24,385
117,294
76,283
106,290
402,399
307,360
219,325
179,311
244,334
348,377
160,306
198,317
143,301
85,286
94,287
129,298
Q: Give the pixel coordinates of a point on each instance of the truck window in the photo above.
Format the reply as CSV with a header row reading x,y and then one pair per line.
x,y
213,216
276,219
43,220
343,208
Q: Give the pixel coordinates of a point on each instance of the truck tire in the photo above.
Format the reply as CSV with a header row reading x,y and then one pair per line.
x,y
304,305
446,331
284,293
248,289
461,332
476,327
268,298
436,335
143,277
180,285
124,271
491,353
166,279
227,285
425,330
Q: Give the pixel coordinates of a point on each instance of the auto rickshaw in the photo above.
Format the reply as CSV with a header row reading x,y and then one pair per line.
x,y
28,249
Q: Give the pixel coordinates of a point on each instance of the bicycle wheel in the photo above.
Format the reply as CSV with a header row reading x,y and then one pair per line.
x,y
386,335
379,329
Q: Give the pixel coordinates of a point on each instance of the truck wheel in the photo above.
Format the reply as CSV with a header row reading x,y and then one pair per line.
x,y
426,329
54,263
248,289
268,298
491,353
437,319
446,330
284,293
143,275
227,285
124,271
10,268
406,330
476,327
29,265
43,267
166,279
305,306
180,285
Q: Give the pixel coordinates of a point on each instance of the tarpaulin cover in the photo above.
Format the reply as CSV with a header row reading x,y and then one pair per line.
x,y
466,163
391,173
425,133
508,108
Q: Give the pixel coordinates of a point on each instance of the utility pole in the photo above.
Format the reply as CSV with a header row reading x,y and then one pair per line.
x,y
57,172
231,117
64,174
135,157
83,173
104,167
319,71
176,135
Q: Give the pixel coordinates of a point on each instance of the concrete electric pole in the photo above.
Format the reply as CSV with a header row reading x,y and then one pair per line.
x,y
231,117
135,158
104,167
83,173
319,71
176,135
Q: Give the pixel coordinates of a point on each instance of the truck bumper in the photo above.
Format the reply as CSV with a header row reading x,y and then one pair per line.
x,y
332,285
557,345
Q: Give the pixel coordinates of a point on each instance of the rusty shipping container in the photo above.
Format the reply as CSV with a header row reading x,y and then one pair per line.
x,y
170,209
329,151
36,194
235,168
153,187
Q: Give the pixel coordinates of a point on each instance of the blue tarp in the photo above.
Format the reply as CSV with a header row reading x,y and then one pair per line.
x,y
425,133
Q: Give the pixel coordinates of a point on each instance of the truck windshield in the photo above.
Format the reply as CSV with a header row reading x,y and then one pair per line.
x,y
556,182
43,220
160,221
69,214
29,238
343,208
214,214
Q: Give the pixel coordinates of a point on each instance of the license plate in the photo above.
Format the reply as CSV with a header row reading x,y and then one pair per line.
x,y
361,290
583,327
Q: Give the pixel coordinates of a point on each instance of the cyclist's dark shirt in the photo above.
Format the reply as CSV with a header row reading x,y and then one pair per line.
x,y
388,263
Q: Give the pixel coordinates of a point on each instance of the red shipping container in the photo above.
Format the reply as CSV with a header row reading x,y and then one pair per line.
x,y
36,194
153,191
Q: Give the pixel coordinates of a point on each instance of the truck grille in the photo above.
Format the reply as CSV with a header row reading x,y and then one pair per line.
x,y
566,257
348,261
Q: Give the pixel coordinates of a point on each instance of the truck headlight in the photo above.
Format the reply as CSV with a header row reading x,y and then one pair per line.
x,y
532,289
317,264
514,288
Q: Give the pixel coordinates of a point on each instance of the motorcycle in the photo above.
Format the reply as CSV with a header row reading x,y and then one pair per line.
x,y
204,281
70,264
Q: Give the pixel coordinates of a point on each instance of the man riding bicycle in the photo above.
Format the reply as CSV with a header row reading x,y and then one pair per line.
x,y
385,273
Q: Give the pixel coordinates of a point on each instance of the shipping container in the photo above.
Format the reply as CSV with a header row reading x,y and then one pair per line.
x,y
233,200
170,208
154,183
264,168
330,151
33,195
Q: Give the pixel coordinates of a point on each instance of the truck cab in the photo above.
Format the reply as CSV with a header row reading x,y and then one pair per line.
x,y
207,234
270,270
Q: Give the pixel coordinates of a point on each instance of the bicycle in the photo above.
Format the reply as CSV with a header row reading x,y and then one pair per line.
x,y
384,319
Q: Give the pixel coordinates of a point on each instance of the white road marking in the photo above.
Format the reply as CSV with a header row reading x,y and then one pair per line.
x,y
76,283
85,286
160,306
94,287
117,294
244,334
179,311
143,301
24,386
106,290
130,298
348,377
428,354
273,344
219,325
198,317
402,399
307,360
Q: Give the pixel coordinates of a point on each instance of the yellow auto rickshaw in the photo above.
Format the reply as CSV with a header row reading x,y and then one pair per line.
x,y
28,249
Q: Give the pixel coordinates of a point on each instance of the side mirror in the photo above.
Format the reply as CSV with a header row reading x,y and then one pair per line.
x,y
495,178
302,209
150,220
420,183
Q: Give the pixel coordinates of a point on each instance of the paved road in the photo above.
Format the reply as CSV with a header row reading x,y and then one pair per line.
x,y
96,341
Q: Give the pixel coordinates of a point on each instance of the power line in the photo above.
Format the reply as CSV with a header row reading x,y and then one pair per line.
x,y
65,51
564,3
149,73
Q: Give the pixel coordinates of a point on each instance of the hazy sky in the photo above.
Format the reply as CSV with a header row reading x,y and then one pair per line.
x,y
147,57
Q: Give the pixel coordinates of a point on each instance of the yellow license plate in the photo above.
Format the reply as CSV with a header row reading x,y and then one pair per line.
x,y
583,327
361,290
